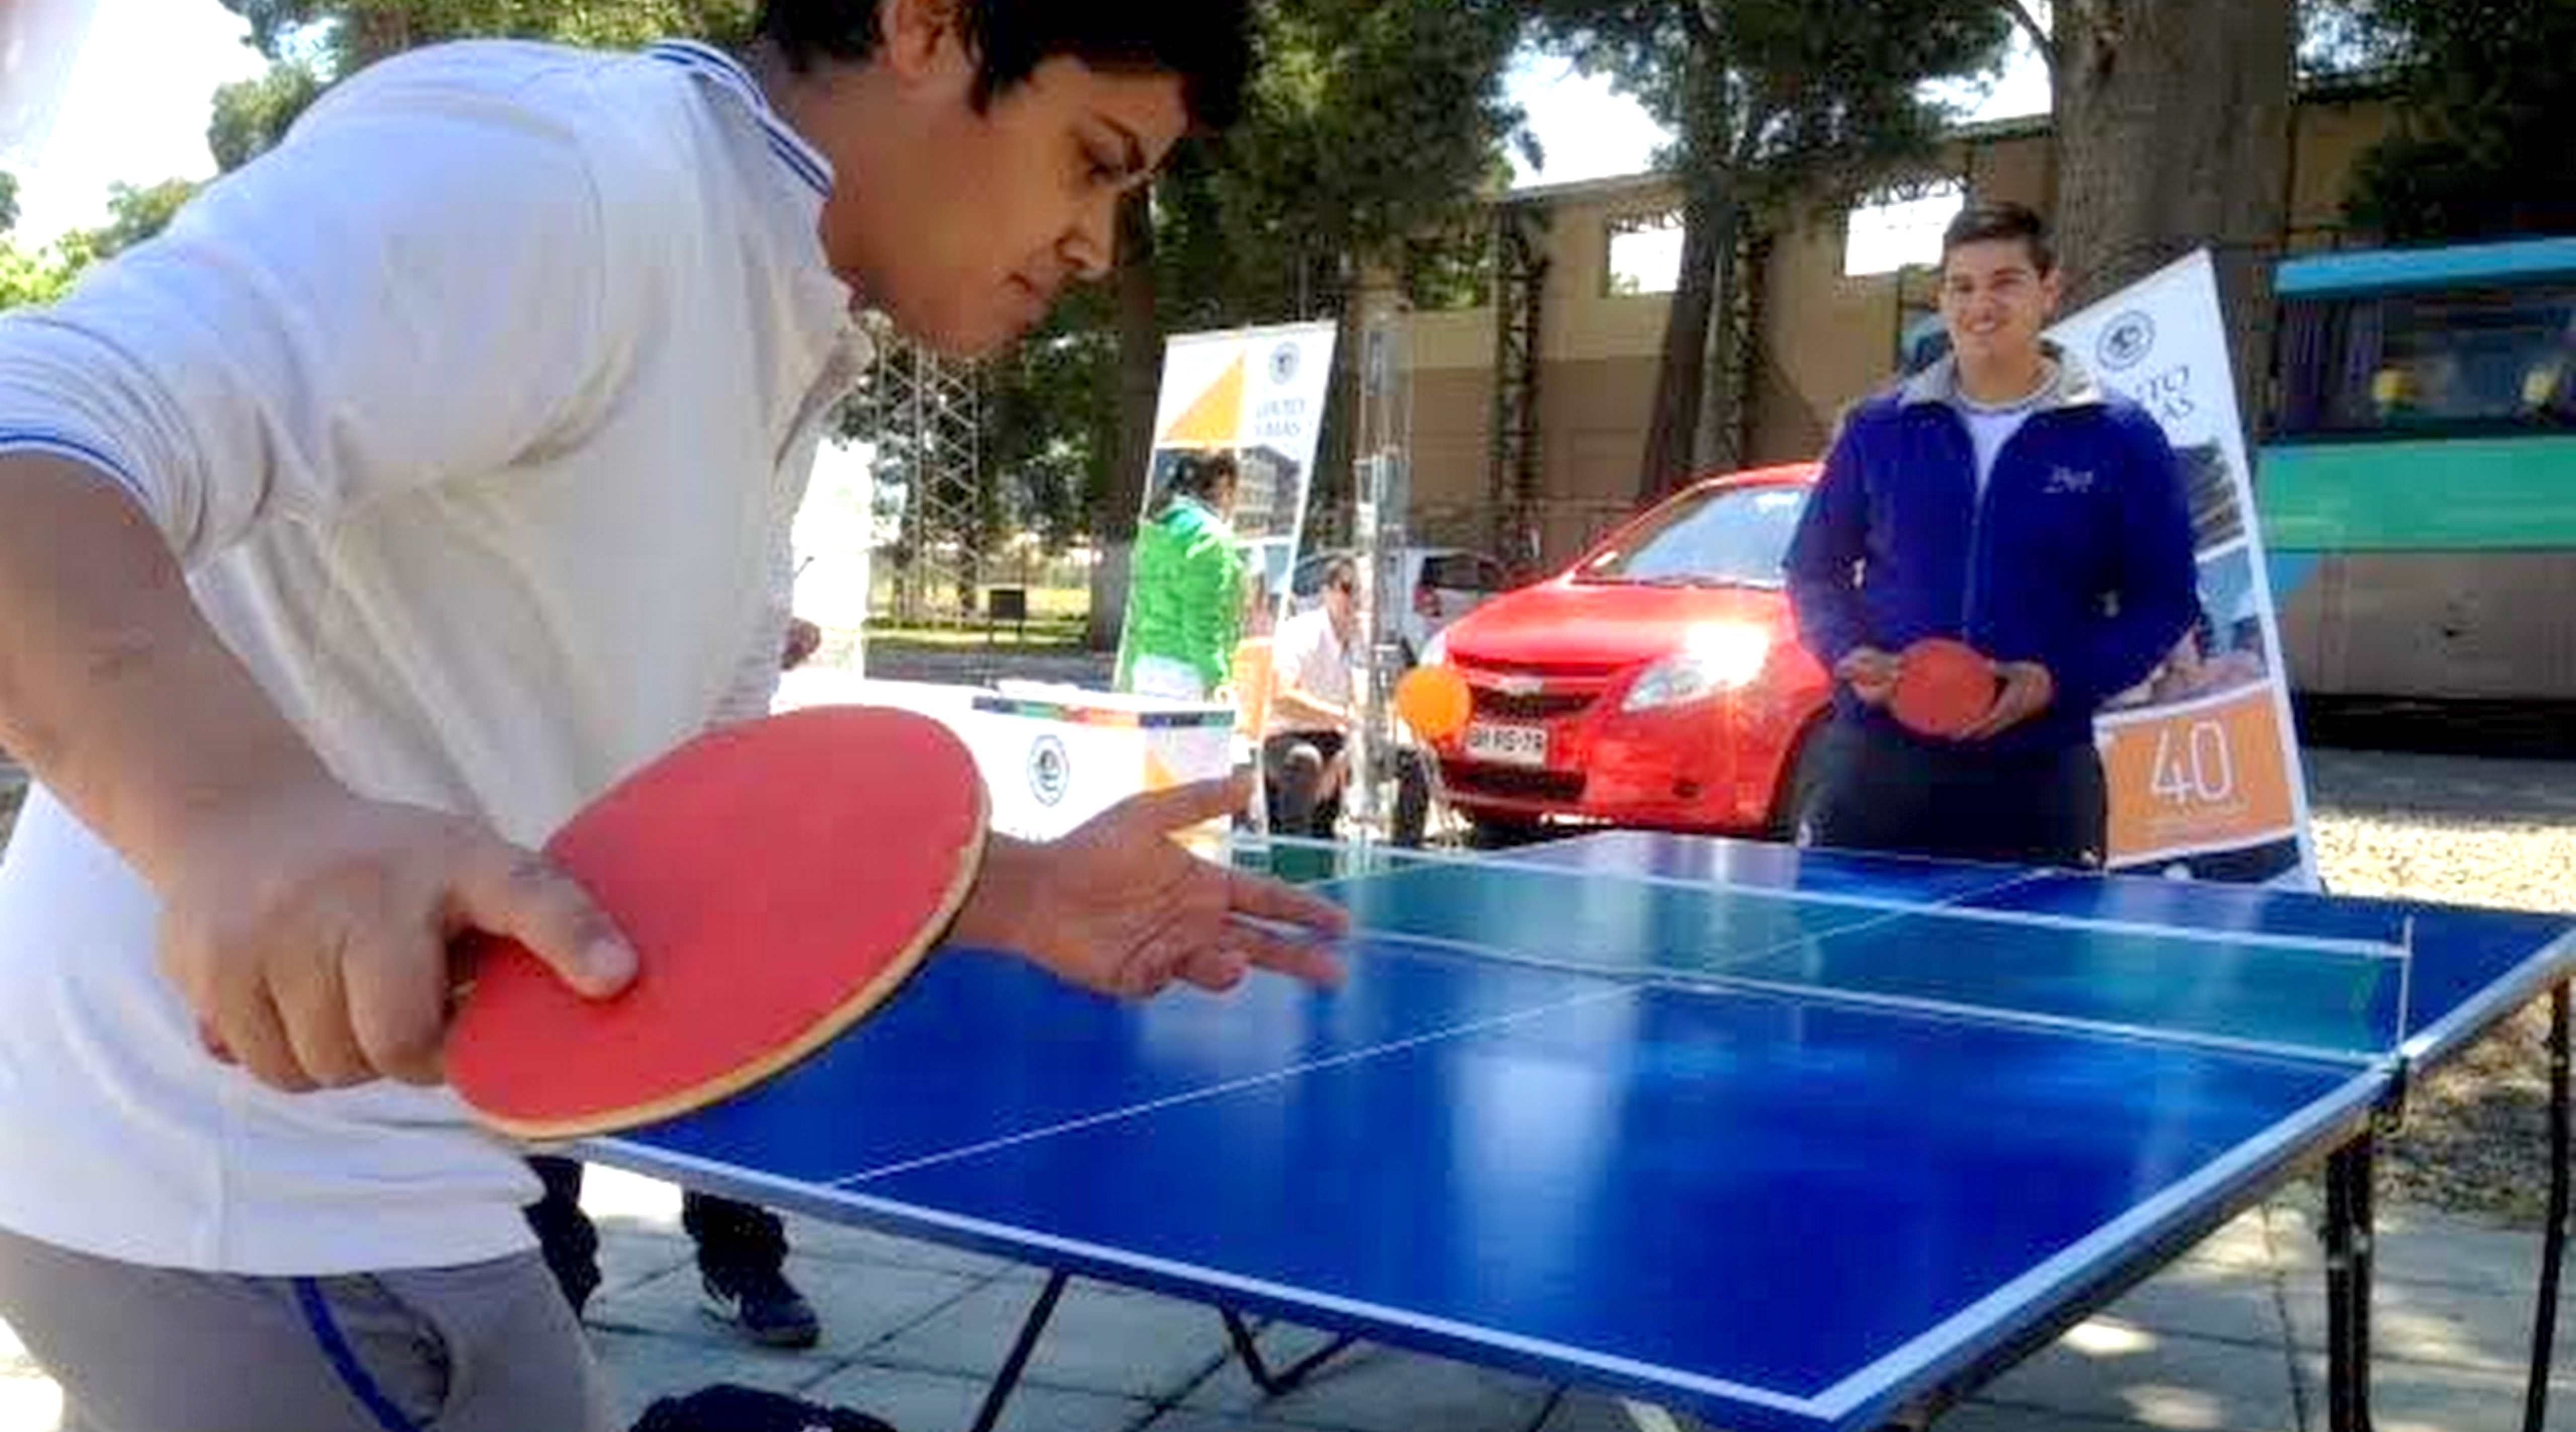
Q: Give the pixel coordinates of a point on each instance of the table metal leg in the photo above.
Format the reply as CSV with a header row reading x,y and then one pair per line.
x,y
2553,1245
1258,1369
999,1394
2349,1236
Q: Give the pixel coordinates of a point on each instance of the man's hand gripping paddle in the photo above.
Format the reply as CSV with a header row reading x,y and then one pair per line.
x,y
1943,688
779,881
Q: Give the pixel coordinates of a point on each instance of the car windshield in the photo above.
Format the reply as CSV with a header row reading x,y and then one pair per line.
x,y
1724,537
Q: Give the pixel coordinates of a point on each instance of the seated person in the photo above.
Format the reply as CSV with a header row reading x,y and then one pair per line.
x,y
1304,754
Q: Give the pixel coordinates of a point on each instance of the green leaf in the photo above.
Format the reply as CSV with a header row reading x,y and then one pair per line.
x,y
2481,147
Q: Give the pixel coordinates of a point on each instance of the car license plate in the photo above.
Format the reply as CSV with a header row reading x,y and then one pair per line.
x,y
1507,745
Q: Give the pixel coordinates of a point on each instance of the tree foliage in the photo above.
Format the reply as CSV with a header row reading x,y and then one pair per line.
x,y
134,213
1795,97
251,115
2346,39
310,43
137,212
1051,422
1374,126
1373,131
40,276
2481,149
348,33
1777,107
27,276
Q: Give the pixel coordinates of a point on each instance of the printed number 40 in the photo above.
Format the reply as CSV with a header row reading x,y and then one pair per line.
x,y
2194,765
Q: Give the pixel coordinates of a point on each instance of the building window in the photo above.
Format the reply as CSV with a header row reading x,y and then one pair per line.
x,y
1645,254
1900,228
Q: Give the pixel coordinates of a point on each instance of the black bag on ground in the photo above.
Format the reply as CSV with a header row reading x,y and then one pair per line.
x,y
727,1407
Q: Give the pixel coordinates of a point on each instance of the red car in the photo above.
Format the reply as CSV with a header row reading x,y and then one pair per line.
x,y
1657,682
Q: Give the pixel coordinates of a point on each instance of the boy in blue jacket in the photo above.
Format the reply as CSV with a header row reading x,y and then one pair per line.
x,y
2001,497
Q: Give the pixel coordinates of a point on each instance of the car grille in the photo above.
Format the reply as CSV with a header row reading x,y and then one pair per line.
x,y
1560,693
1544,706
1512,782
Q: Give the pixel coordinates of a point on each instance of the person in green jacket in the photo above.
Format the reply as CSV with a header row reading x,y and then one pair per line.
x,y
1185,604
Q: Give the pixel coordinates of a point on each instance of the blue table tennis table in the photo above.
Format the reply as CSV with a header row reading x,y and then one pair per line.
x,y
1787,1140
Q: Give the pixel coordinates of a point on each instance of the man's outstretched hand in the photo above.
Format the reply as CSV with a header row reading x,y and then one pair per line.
x,y
1118,906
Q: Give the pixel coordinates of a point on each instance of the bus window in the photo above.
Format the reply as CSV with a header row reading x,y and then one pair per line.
x,y
2417,486
2549,387
2412,363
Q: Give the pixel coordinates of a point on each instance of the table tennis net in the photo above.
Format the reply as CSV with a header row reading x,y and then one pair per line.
x,y
2344,999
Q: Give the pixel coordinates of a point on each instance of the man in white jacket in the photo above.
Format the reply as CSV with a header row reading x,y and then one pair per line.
x,y
425,476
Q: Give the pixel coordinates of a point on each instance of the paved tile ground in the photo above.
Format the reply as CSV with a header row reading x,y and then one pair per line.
x,y
2229,1339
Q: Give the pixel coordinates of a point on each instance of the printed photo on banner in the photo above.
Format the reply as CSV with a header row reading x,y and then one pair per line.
x,y
2217,506
2202,757
1260,516
1235,431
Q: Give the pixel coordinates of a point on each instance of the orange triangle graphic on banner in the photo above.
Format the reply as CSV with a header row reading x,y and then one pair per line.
x,y
1211,421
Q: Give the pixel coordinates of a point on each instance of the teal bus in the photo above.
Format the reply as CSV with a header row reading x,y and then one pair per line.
x,y
2417,485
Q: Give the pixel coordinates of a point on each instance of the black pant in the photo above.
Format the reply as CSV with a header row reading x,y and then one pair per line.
x,y
1293,765
1885,791
732,1238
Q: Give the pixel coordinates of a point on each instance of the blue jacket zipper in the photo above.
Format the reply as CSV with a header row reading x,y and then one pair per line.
x,y
1978,493
1976,527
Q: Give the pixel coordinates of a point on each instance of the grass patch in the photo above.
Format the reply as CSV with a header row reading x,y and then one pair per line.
x,y
1038,634
1059,620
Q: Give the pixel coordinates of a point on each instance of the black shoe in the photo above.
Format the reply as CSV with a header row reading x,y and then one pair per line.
x,y
764,1305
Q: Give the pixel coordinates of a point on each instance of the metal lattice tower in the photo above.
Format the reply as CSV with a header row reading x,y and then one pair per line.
x,y
925,415
1520,283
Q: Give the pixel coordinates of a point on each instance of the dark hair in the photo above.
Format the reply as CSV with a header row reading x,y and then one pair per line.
x,y
1197,475
1207,43
2001,219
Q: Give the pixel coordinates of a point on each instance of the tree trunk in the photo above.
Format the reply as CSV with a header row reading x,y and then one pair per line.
x,y
1140,381
2173,133
1335,485
1708,221
1672,431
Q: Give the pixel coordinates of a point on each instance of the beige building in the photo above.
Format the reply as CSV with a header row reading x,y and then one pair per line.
x,y
1822,336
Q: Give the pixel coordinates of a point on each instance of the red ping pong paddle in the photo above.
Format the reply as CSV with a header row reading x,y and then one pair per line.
x,y
779,880
1943,687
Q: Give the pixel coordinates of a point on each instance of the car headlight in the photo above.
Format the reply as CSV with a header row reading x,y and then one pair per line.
x,y
1717,658
1435,652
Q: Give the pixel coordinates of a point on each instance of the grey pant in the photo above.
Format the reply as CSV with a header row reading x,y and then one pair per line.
x,y
489,1347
